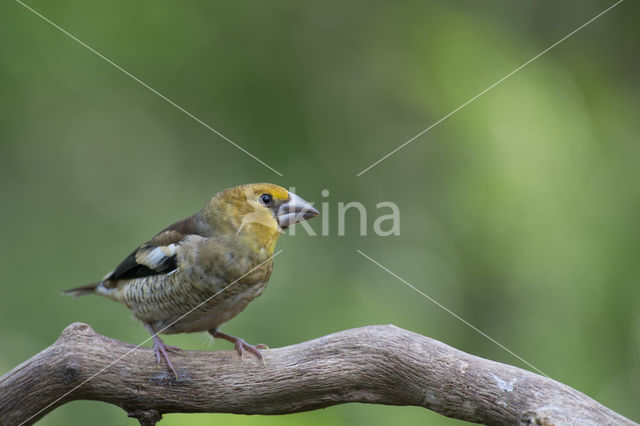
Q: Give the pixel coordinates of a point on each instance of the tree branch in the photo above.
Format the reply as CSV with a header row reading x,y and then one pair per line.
x,y
375,364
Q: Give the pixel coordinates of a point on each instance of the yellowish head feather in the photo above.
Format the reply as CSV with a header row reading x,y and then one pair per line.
x,y
238,211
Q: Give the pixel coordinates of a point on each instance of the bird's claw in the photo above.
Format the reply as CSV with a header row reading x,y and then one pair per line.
x,y
241,345
174,349
161,351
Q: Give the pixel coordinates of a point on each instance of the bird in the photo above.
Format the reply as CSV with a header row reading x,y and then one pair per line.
x,y
200,272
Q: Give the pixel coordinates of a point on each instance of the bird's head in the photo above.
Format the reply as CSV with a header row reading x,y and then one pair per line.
x,y
257,212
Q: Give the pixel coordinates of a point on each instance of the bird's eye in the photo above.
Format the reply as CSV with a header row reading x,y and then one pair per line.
x,y
266,199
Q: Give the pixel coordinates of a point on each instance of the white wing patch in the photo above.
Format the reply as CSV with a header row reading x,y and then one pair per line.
x,y
155,257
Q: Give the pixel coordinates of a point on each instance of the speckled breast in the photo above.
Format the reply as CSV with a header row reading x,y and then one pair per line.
x,y
187,302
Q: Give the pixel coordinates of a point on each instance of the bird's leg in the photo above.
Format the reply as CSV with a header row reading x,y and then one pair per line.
x,y
160,349
240,344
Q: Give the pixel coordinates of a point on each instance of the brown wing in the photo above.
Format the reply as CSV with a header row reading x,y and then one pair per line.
x,y
157,256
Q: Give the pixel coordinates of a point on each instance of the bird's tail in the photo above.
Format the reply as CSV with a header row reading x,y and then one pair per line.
x,y
82,290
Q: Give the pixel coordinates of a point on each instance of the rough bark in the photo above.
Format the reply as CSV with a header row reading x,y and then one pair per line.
x,y
375,364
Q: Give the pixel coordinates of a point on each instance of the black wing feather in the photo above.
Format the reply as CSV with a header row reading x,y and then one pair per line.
x,y
130,268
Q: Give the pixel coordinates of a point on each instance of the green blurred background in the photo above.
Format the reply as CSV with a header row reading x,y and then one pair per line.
x,y
520,213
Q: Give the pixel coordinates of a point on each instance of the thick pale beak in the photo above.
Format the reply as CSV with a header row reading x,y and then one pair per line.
x,y
294,210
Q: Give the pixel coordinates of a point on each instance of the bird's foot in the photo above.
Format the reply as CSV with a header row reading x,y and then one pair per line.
x,y
161,350
241,345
